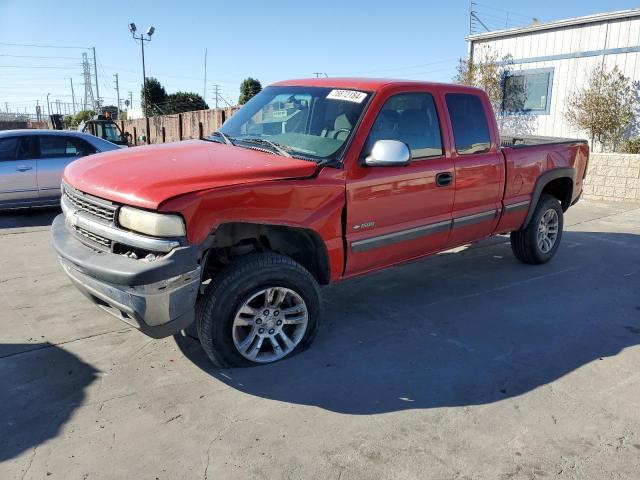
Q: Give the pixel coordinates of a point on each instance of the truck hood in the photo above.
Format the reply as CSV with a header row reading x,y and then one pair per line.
x,y
147,176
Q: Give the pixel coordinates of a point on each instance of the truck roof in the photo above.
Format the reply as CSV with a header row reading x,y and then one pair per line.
x,y
369,84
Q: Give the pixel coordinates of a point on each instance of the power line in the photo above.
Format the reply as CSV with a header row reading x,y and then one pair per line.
x,y
36,56
37,66
511,13
41,46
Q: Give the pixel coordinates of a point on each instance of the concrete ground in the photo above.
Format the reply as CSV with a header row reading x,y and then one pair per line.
x,y
462,366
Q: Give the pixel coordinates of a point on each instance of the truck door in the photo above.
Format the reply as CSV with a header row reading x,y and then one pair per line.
x,y
401,212
18,182
479,169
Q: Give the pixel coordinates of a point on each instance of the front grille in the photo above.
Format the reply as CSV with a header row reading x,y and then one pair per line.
x,y
92,206
96,241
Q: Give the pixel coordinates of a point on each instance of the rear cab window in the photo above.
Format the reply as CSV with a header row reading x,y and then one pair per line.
x,y
469,123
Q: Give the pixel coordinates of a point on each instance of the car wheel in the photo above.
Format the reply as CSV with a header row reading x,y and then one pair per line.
x,y
260,309
539,241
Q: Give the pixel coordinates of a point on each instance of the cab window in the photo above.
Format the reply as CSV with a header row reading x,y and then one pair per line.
x,y
59,146
8,147
410,118
469,123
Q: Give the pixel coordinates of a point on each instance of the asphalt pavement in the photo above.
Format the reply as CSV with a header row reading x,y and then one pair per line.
x,y
465,365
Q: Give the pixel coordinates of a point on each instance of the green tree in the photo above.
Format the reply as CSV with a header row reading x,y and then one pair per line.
x,y
72,121
248,88
488,74
184,102
604,107
153,97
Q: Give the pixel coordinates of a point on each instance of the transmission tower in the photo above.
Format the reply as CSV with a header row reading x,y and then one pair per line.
x,y
89,100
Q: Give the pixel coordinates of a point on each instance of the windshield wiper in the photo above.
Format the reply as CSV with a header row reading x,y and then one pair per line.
x,y
225,138
264,141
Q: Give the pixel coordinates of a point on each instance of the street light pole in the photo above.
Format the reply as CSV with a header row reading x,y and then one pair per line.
x,y
150,30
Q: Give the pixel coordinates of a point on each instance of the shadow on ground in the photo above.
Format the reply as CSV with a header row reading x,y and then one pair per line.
x,y
458,329
39,391
28,217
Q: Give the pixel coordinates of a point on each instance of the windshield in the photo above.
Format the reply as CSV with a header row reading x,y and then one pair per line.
x,y
111,132
308,122
106,130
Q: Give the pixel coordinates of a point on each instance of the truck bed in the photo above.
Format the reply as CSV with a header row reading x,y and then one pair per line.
x,y
521,141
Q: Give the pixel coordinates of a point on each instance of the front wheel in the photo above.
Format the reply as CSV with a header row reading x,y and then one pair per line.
x,y
539,241
260,309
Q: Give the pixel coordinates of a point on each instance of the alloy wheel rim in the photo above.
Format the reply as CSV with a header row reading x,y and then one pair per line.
x,y
269,324
548,230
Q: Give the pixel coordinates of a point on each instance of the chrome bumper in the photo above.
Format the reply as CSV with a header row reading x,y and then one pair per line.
x,y
157,297
159,309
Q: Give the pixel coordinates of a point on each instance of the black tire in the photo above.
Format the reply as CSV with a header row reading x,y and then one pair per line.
x,y
216,309
524,243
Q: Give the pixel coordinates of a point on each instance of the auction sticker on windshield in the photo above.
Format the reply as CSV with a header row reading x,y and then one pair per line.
x,y
347,95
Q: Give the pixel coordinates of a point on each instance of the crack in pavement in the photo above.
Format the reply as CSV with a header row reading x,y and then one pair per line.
x,y
33,455
50,345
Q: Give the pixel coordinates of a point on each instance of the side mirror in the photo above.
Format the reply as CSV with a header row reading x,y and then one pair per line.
x,y
388,153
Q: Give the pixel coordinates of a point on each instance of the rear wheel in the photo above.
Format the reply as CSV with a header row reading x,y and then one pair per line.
x,y
539,241
260,309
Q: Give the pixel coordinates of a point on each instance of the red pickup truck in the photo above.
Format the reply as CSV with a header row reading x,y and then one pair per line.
x,y
311,182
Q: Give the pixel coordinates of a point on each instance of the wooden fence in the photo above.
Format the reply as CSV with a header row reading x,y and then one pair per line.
x,y
173,128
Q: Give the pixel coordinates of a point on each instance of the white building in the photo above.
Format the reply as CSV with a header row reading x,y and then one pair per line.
x,y
134,112
551,60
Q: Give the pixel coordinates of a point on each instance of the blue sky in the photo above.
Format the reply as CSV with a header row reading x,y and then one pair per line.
x,y
268,40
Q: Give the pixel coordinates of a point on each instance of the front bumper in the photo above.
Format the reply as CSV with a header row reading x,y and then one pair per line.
x,y
156,297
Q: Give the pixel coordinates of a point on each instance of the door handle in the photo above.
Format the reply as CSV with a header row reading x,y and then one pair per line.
x,y
23,168
443,179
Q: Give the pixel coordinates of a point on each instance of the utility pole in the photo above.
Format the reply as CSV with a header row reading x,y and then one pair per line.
x,y
73,96
216,93
95,71
48,105
150,30
131,99
117,93
204,93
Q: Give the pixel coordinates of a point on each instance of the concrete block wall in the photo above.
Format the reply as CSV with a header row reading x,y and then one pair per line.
x,y
613,177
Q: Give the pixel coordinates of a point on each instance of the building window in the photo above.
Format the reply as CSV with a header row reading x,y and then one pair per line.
x,y
528,91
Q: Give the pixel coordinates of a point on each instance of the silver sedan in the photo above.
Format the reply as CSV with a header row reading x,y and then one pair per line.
x,y
32,161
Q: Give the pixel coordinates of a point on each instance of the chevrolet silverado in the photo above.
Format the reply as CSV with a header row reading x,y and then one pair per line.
x,y
311,182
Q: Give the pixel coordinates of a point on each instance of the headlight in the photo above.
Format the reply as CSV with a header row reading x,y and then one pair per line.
x,y
154,224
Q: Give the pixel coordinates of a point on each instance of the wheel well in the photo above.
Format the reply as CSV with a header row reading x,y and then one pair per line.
x,y
562,189
235,239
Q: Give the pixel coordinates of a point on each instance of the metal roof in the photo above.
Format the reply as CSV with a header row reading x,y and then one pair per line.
x,y
569,22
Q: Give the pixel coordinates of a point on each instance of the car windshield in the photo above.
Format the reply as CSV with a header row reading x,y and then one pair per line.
x,y
111,132
308,122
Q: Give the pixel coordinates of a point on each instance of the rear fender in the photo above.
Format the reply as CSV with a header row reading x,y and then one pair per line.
x,y
542,182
